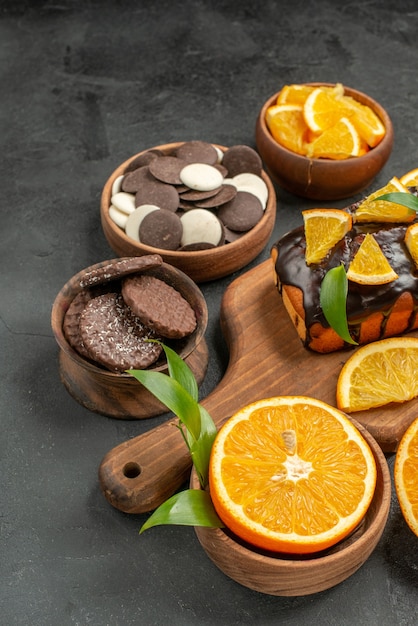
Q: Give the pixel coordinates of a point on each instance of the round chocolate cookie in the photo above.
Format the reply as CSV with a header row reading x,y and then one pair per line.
x,y
136,179
241,213
161,229
143,159
159,306
167,169
115,337
104,272
71,322
160,194
238,159
225,194
201,225
197,152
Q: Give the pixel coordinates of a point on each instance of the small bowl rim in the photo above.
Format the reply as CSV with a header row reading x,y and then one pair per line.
x,y
73,286
361,97
215,252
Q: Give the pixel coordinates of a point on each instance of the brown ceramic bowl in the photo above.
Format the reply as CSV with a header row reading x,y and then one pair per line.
x,y
200,265
323,179
284,575
121,395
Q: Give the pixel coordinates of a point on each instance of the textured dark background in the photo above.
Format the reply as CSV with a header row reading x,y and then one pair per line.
x,y
84,85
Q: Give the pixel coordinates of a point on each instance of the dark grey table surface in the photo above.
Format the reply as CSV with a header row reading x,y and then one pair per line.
x,y
84,85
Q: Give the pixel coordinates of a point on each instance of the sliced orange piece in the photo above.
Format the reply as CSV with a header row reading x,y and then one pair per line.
x,y
291,474
411,242
406,476
369,126
294,94
323,229
369,265
341,141
287,126
324,108
410,179
379,373
372,210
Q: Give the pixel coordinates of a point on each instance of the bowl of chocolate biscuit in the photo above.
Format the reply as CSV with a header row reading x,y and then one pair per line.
x,y
323,141
116,316
206,209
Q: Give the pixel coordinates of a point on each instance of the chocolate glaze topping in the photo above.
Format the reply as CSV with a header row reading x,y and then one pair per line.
x,y
362,300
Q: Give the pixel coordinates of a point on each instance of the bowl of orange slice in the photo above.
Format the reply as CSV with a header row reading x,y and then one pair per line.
x,y
323,141
304,494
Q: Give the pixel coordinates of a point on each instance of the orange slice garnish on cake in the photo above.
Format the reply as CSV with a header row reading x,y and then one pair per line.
x,y
323,229
374,210
411,242
410,179
406,476
379,373
369,265
291,474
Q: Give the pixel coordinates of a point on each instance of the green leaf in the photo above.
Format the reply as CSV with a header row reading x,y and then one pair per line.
x,y
401,197
200,450
333,300
187,508
181,372
173,396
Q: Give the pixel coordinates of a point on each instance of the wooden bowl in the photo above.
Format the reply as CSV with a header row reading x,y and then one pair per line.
x,y
285,575
121,395
200,265
323,179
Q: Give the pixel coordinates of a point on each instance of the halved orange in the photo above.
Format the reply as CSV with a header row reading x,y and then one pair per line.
x,y
411,242
406,476
369,265
341,141
287,126
291,474
379,373
410,179
323,229
373,210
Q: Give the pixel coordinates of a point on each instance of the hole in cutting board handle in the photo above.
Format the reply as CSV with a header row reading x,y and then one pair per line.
x,y
131,470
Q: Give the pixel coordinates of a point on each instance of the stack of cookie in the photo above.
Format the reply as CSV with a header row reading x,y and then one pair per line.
x,y
119,312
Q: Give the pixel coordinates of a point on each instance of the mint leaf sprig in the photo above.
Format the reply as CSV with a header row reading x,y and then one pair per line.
x,y
179,393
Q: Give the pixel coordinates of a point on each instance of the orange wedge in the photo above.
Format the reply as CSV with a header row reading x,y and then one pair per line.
x,y
294,94
411,242
323,108
369,265
379,373
368,124
410,179
287,126
406,476
291,474
373,210
323,229
341,141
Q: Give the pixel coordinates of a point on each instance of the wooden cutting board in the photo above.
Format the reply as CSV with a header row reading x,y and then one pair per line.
x,y
266,359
